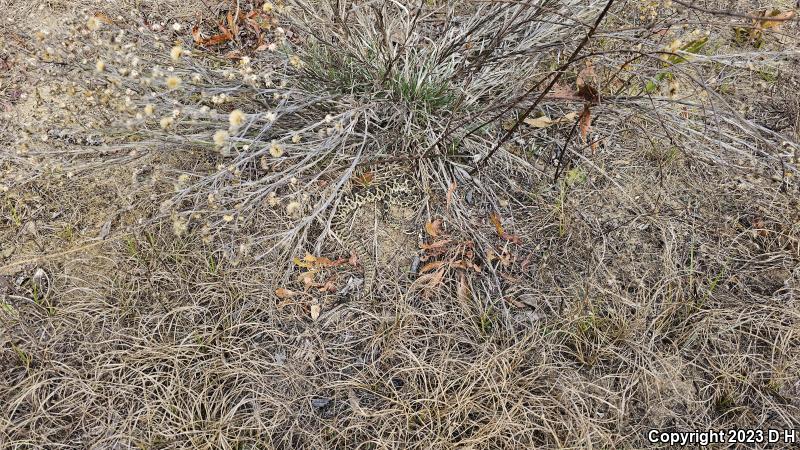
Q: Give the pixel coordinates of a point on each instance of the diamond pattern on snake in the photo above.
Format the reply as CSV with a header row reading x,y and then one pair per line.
x,y
384,185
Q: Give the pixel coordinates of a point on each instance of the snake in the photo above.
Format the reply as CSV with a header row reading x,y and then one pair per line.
x,y
383,185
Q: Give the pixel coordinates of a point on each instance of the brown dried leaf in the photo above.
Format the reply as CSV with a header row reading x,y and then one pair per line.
x,y
462,290
431,266
307,278
329,286
217,39
198,38
587,83
434,229
432,280
539,122
585,122
284,293
515,303
587,76
450,191
434,245
498,225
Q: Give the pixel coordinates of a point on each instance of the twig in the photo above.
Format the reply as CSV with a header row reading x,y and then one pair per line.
x,y
558,73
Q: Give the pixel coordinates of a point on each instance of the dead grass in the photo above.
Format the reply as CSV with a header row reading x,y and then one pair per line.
x,y
653,285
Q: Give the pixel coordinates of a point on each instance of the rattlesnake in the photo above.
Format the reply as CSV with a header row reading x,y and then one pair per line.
x,y
384,185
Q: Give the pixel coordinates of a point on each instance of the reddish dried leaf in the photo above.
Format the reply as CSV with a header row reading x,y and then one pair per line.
x,y
431,266
585,122
435,245
198,38
587,83
216,40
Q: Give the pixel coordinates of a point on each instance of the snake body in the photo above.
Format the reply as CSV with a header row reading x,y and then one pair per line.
x,y
384,186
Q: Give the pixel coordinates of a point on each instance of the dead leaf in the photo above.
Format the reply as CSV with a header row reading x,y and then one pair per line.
x,y
585,122
434,228
198,38
329,286
561,92
544,121
432,280
431,266
315,310
103,18
216,40
775,18
434,245
462,290
284,293
307,278
232,24
587,76
450,191
586,82
539,122
307,262
498,225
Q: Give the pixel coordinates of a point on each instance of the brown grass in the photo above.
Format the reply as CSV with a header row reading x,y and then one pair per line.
x,y
655,285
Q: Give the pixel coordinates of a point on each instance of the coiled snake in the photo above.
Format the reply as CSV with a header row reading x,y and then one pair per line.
x,y
384,185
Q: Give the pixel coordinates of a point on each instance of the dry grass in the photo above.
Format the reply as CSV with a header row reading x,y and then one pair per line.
x,y
649,283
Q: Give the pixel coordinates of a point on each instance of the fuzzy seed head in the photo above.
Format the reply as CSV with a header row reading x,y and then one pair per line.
x,y
173,82
236,118
275,150
221,137
176,52
93,24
